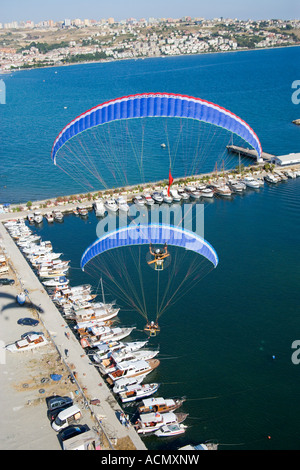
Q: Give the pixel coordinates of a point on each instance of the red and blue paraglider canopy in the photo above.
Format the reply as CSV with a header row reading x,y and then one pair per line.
x,y
157,105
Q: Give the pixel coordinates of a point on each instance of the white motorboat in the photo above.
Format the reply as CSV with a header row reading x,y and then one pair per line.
x,y
290,174
30,218
170,430
175,195
82,211
111,205
139,201
160,405
120,385
116,358
36,250
57,282
237,187
203,446
39,258
137,392
183,194
49,217
282,176
106,349
151,422
223,191
96,335
193,192
133,369
38,218
28,342
122,204
167,198
157,197
149,201
99,207
58,216
206,192
250,182
52,274
28,241
270,178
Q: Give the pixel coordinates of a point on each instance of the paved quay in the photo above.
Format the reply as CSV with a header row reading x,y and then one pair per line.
x,y
24,423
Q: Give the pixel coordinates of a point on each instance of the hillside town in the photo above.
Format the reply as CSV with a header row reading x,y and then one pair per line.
x,y
49,43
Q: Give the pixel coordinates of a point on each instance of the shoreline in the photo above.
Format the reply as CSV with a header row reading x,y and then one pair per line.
x,y
129,192
107,61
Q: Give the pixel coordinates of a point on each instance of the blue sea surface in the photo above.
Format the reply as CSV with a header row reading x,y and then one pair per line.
x,y
227,344
255,85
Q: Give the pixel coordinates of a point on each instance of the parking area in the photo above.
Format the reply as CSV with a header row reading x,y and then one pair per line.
x,y
26,383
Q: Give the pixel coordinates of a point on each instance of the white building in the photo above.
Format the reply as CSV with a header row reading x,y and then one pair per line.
x,y
284,160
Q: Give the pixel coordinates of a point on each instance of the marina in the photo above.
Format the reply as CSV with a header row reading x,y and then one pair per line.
x,y
225,345
115,360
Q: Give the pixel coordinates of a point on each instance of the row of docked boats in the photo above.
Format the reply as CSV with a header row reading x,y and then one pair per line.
x,y
125,364
218,187
37,217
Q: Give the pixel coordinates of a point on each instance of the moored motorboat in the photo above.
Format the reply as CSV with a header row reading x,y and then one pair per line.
x,y
49,217
270,178
223,191
137,392
250,182
207,193
149,201
38,218
99,207
122,204
112,363
133,369
157,197
106,349
58,216
91,337
139,201
175,195
183,194
111,205
151,422
57,281
82,211
167,197
168,430
160,405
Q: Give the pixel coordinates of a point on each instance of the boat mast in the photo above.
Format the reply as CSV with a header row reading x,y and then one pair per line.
x,y
102,291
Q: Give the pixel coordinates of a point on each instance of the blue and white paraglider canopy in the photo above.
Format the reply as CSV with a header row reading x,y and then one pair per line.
x,y
157,105
157,234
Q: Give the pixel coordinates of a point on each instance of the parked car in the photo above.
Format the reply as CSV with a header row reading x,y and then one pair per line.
x,y
72,431
52,414
28,321
6,282
57,402
66,417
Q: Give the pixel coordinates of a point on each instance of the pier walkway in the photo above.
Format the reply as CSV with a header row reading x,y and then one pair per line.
x,y
89,380
245,152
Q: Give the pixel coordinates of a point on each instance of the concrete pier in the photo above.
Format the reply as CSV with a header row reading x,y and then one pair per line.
x,y
114,435
245,152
